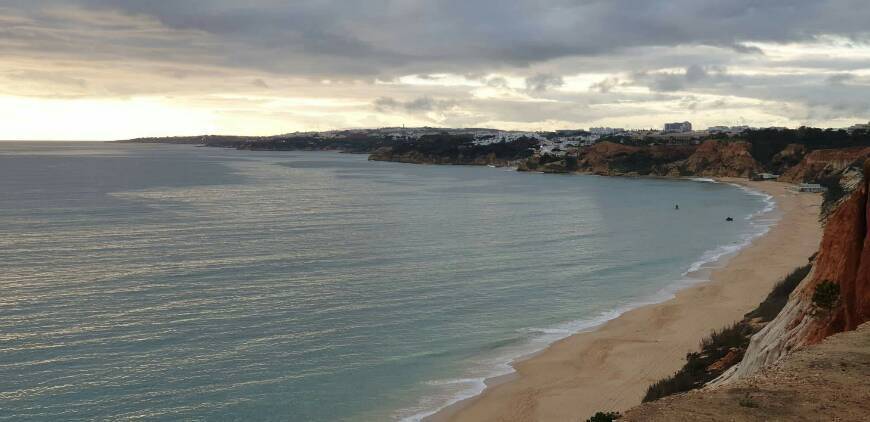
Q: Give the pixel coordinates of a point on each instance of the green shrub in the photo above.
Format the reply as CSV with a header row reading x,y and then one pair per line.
x,y
694,373
826,295
571,163
776,300
604,417
719,343
834,191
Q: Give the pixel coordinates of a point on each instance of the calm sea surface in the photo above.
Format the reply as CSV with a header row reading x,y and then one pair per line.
x,y
174,282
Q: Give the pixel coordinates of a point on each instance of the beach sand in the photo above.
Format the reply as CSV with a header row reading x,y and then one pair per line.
x,y
610,368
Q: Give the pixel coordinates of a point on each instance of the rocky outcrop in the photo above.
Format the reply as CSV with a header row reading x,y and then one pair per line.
x,y
823,163
723,159
712,158
790,156
612,159
843,259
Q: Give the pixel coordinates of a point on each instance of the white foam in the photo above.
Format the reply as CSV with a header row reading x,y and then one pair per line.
x,y
543,337
703,179
466,388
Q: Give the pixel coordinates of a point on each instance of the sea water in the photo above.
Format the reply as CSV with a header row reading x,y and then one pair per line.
x,y
173,282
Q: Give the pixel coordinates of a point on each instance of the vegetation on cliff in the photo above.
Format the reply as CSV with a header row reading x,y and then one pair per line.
x,y
824,382
725,348
793,154
456,149
800,155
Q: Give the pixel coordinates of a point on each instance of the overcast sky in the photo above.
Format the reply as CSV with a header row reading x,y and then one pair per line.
x,y
109,69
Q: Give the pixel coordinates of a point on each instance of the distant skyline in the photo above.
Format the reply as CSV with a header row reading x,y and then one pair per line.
x,y
114,69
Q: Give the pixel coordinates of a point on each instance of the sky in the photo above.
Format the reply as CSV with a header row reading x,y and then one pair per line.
x,y
116,69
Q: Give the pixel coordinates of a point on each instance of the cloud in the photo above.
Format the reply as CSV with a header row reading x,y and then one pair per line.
x,y
418,105
543,81
522,63
406,36
840,78
605,85
692,76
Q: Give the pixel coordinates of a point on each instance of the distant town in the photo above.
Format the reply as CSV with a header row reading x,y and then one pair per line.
x,y
558,142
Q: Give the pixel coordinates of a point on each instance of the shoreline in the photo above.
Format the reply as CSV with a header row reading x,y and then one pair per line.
x,y
610,366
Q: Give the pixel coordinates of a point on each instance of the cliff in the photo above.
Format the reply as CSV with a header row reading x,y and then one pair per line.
x,y
827,381
790,156
843,259
823,163
417,157
722,159
611,159
456,149
711,158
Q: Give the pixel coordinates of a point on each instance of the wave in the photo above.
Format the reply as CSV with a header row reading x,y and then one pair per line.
x,y
539,339
460,389
703,179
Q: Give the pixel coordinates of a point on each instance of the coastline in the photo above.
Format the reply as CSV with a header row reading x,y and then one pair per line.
x,y
611,366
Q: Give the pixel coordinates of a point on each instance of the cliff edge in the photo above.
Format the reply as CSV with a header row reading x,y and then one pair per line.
x,y
827,381
843,260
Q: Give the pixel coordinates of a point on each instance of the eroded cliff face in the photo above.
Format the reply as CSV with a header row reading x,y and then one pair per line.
x,y
790,156
711,158
824,162
724,159
844,259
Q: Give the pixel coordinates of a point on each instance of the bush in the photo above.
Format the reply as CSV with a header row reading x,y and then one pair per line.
x,y
718,344
694,373
604,417
776,300
571,163
826,295
834,192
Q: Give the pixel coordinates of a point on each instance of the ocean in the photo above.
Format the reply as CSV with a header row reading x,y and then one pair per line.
x,y
165,282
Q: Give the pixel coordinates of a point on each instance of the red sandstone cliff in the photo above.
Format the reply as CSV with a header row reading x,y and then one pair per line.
x,y
844,259
822,163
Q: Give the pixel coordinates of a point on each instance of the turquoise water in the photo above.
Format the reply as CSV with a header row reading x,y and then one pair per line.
x,y
173,282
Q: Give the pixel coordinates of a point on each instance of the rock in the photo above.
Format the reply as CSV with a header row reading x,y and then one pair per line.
x,y
726,362
721,158
824,162
612,159
791,155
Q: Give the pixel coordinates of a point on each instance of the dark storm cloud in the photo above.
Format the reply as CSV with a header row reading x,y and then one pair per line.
x,y
382,37
693,76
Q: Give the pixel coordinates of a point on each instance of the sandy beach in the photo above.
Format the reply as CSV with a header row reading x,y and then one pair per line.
x,y
611,367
